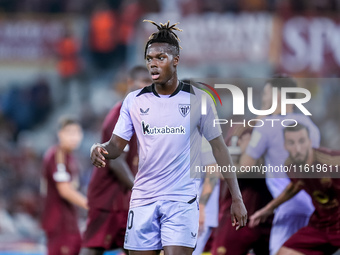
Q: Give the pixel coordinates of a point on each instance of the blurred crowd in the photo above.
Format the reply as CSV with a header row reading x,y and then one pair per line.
x,y
92,73
199,6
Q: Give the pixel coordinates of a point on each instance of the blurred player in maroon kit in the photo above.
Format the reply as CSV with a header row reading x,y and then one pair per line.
x,y
322,234
226,240
110,187
59,183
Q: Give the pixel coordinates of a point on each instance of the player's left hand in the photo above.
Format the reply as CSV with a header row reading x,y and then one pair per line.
x,y
238,214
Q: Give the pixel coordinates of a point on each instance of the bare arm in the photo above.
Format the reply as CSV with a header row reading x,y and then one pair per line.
x,y
261,215
121,169
290,191
109,150
222,156
67,192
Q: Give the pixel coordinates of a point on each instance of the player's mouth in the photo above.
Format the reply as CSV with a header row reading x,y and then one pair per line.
x,y
155,75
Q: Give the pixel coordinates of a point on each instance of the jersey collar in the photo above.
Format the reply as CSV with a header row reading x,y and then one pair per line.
x,y
181,87
178,89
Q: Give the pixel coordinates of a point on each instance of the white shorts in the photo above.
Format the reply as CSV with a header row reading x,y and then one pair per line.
x,y
162,223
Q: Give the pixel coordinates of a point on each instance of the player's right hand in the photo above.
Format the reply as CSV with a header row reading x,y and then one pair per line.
x,y
97,158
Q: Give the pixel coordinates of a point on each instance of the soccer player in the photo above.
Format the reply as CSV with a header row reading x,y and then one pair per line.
x,y
322,235
255,195
59,184
166,117
110,188
268,141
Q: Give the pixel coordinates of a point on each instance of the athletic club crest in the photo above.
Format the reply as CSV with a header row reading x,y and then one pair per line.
x,y
184,109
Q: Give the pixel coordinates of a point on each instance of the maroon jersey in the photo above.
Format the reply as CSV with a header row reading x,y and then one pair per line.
x,y
58,213
105,191
313,241
324,191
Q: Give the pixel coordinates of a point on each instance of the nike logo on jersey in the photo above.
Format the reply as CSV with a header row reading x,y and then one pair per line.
x,y
147,130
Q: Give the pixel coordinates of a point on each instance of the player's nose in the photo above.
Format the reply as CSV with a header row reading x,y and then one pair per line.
x,y
153,63
298,149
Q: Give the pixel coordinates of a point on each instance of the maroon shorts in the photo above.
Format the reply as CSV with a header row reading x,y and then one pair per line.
x,y
229,241
105,229
313,241
63,243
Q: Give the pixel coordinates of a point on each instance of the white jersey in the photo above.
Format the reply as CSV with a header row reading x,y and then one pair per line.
x,y
169,132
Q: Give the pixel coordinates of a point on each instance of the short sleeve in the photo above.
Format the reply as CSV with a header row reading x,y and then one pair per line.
x,y
257,144
124,127
208,127
207,157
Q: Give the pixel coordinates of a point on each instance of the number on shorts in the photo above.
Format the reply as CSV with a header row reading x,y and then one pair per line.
x,y
130,219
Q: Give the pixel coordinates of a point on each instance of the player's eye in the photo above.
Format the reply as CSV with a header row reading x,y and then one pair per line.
x,y
148,59
161,58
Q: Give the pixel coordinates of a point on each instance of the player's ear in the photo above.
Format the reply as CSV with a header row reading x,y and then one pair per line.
x,y
176,60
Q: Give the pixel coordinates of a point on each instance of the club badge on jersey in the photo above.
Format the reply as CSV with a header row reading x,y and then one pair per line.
x,y
184,109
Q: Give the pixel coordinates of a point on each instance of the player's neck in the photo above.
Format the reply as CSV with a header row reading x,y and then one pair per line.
x,y
64,148
169,87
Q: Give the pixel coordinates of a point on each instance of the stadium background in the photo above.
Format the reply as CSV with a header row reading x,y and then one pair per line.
x,y
72,57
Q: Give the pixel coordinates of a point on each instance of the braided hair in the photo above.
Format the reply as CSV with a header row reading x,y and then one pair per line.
x,y
165,34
